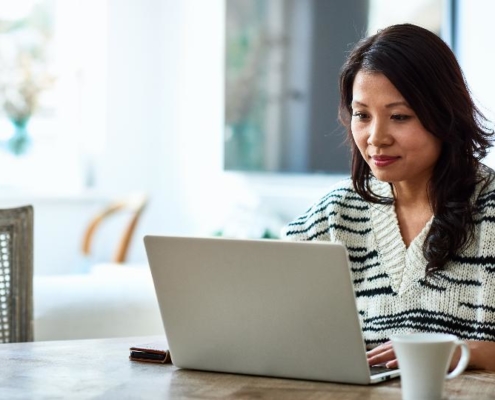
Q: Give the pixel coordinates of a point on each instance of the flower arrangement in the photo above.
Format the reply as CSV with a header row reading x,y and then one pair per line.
x,y
20,89
24,75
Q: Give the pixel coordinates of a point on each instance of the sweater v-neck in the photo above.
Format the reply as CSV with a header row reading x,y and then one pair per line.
x,y
406,265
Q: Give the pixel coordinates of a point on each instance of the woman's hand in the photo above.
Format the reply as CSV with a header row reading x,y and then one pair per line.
x,y
383,354
482,355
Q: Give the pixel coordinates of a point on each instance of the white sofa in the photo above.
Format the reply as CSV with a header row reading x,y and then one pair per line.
x,y
110,301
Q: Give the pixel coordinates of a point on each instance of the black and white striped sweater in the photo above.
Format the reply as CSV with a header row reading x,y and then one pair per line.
x,y
391,292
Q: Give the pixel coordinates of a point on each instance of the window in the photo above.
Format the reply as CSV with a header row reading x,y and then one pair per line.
x,y
282,63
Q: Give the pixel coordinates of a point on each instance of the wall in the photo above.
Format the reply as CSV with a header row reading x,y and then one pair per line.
x,y
164,130
476,54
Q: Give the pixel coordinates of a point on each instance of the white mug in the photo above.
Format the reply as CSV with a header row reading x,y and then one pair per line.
x,y
424,360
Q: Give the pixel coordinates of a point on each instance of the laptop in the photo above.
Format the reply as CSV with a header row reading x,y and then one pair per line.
x,y
260,307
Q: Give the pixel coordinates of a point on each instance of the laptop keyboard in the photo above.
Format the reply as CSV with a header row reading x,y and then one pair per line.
x,y
379,369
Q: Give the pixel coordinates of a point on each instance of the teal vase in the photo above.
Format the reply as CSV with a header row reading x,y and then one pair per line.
x,y
20,142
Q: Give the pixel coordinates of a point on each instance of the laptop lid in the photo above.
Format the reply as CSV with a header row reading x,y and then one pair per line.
x,y
259,307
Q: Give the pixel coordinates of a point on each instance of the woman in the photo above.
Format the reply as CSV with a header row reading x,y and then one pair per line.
x,y
418,214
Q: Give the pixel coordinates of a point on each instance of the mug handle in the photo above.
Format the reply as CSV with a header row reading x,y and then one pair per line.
x,y
463,361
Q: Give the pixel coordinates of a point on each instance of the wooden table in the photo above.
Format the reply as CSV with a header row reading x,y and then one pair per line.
x,y
100,369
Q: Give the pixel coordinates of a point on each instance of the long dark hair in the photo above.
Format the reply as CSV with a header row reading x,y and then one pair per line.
x,y
425,71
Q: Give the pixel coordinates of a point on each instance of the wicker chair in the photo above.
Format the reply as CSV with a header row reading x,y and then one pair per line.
x,y
16,274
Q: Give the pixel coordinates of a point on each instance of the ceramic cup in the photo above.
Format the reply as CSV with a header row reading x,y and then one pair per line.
x,y
424,359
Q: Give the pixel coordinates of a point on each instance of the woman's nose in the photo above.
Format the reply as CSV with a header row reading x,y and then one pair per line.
x,y
378,135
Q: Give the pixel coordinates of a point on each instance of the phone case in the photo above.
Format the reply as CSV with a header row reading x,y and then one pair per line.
x,y
155,352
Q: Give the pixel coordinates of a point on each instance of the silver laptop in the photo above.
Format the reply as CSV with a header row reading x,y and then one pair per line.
x,y
260,307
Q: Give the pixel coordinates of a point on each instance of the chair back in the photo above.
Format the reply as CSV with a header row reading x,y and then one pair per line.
x,y
133,204
16,274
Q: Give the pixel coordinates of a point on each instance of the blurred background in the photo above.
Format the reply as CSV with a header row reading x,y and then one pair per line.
x,y
215,110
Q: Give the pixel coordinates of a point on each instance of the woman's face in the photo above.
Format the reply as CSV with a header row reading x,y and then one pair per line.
x,y
389,135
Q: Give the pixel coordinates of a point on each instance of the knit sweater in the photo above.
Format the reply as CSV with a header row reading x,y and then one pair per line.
x,y
392,294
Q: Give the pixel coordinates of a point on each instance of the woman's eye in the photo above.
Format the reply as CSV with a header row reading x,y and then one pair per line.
x,y
359,115
400,117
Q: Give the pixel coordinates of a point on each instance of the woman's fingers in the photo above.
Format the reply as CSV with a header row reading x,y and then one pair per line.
x,y
392,364
383,354
379,349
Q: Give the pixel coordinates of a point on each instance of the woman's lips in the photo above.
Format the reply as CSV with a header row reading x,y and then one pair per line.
x,y
384,161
